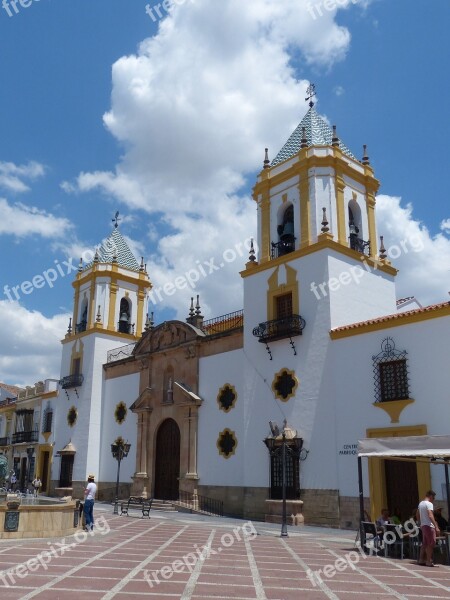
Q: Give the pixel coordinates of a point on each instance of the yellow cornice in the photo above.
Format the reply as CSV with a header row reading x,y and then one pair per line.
x,y
101,329
323,244
336,161
396,320
394,408
142,281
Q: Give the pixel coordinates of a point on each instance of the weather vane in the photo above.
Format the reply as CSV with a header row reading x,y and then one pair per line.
x,y
311,91
116,220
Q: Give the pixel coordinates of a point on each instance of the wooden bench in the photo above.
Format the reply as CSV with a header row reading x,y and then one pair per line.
x,y
143,504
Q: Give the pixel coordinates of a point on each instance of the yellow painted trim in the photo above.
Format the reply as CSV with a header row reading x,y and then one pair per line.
x,y
113,289
140,312
115,334
305,209
294,389
141,283
233,435
338,163
265,227
91,316
275,290
396,320
77,354
370,207
377,477
222,389
340,207
394,408
324,243
76,300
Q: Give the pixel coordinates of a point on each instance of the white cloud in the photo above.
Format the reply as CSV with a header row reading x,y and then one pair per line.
x,y
22,221
12,176
445,226
423,261
30,348
195,108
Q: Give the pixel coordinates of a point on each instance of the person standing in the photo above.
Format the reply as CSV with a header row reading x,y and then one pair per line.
x,y
429,529
13,481
36,485
89,494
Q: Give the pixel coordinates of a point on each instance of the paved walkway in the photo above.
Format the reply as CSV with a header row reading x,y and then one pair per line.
x,y
131,558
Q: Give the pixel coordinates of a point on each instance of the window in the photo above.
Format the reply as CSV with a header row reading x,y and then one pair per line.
x,y
284,306
125,316
65,477
393,380
47,420
76,366
390,370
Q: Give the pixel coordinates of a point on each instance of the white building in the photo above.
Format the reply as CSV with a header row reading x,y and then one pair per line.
x,y
321,343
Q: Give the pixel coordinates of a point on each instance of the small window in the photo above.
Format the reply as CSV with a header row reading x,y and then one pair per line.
x,y
76,366
284,306
47,421
393,380
65,478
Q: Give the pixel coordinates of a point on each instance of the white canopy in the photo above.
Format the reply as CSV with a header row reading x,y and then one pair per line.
x,y
437,446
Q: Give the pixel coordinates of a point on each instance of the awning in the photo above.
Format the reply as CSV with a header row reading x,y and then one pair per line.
x,y
432,446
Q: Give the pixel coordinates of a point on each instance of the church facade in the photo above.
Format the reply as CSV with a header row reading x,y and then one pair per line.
x,y
322,351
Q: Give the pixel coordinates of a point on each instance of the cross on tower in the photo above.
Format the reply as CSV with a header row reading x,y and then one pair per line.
x,y
311,91
116,220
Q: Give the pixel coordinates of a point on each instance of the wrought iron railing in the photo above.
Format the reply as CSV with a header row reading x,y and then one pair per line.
x,y
120,353
200,503
279,329
229,322
283,247
80,327
7,401
71,381
359,245
25,437
4,441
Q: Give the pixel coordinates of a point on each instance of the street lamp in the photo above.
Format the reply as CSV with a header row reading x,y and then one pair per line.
x,y
119,450
277,445
30,452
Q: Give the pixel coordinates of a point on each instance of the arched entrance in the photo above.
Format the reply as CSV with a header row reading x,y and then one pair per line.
x,y
167,462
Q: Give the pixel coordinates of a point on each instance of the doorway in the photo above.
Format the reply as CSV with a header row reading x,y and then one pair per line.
x,y
167,462
402,491
44,471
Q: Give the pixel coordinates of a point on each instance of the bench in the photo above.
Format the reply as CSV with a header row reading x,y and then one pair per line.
x,y
143,504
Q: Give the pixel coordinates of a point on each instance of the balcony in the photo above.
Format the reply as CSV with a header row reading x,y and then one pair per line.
x,y
224,324
279,329
71,381
25,437
4,441
80,327
283,247
359,245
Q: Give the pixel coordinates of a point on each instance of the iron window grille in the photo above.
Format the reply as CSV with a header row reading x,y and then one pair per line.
x,y
390,369
47,421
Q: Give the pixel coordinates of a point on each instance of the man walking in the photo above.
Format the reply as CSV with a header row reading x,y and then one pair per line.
x,y
89,493
429,529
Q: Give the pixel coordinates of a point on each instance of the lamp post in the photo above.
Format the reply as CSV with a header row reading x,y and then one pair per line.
x,y
30,452
275,449
119,450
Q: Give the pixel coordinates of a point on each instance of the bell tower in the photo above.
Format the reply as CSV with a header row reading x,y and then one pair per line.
x,y
108,312
316,228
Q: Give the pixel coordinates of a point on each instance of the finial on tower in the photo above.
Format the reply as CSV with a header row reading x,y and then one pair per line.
x,y
383,254
80,266
96,256
365,158
116,220
69,329
325,228
304,140
142,267
98,318
252,257
335,139
311,91
198,312
267,160
191,310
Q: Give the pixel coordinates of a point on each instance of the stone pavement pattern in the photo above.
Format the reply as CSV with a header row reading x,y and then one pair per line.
x,y
117,565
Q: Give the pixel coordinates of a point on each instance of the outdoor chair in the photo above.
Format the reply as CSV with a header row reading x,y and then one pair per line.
x,y
372,539
393,538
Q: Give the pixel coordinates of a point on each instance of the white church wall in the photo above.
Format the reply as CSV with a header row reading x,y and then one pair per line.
x,y
120,389
214,373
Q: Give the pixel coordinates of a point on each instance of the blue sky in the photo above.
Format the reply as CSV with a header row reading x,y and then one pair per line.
x,y
381,73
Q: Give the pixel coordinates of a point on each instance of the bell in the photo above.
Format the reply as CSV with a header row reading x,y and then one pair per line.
x,y
288,229
124,317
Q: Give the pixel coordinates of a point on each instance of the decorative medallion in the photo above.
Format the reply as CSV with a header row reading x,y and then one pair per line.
x,y
227,443
121,412
285,385
226,398
72,416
